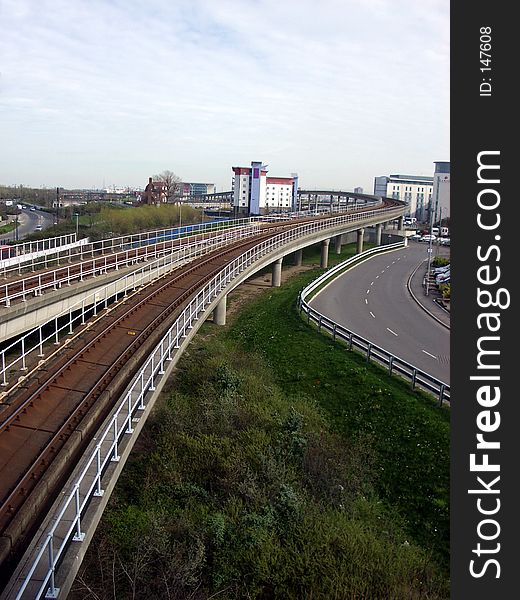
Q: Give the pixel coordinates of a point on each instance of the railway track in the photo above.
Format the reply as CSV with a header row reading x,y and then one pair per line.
x,y
41,418
48,421
18,288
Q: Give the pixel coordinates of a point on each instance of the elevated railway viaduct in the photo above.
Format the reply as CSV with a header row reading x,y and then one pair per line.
x,y
68,425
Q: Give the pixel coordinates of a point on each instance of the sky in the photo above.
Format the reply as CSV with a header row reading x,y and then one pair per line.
x,y
96,93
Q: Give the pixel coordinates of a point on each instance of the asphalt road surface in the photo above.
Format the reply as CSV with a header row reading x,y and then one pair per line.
x,y
373,301
28,220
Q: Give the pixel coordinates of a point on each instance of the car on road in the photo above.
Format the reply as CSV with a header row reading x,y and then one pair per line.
x,y
416,236
32,208
38,228
428,238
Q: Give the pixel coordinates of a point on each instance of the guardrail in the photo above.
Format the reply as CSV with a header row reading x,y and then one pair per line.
x,y
395,365
66,528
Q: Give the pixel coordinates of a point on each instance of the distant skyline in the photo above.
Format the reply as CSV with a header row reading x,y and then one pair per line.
x,y
111,92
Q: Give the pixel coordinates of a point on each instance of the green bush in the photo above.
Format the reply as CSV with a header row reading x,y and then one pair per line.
x,y
440,261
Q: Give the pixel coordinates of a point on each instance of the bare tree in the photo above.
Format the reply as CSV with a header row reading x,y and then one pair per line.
x,y
172,185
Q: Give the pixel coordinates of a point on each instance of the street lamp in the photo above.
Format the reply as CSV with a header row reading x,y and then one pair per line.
x,y
77,225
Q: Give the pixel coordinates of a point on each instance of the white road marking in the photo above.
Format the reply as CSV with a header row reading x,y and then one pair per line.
x,y
377,276
392,332
399,258
366,301
368,291
371,283
383,271
372,314
432,355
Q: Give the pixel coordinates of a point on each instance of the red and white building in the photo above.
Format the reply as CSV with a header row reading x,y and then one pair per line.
x,y
255,193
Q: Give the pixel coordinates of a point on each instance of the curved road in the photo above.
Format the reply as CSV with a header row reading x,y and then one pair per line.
x,y
373,301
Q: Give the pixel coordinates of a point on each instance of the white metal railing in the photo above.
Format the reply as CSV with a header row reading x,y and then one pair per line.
x,y
89,483
39,254
43,252
397,365
35,285
15,355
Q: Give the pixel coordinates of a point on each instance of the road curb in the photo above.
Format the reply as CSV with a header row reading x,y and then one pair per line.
x,y
418,302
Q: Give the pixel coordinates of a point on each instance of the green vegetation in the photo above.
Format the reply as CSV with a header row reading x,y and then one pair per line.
x,y
279,465
440,261
7,228
445,289
144,218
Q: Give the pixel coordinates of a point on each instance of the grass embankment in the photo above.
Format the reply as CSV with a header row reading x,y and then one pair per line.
x,y
279,466
7,228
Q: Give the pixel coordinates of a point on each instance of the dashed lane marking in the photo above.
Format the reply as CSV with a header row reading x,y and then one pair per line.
x,y
392,332
373,315
366,301
432,355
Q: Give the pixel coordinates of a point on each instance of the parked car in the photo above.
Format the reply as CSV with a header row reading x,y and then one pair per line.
x,y
445,241
442,278
38,228
428,238
439,270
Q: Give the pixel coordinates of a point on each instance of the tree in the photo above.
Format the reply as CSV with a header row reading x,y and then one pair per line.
x,y
172,185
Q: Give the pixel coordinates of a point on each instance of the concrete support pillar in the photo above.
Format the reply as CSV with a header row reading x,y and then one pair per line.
x,y
324,262
400,223
337,242
379,231
219,314
298,257
360,233
276,280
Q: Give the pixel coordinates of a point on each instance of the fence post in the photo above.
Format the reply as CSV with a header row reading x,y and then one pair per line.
x,y
53,591
79,536
99,491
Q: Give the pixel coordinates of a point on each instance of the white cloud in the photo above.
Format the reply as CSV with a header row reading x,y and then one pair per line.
x,y
340,91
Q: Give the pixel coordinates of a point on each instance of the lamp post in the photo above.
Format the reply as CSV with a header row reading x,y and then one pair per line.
x,y
57,204
77,224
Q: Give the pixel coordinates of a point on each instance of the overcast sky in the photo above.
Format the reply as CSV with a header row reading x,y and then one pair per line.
x,y
97,92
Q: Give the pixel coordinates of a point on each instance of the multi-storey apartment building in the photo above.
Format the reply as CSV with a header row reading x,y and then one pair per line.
x,y
254,193
415,190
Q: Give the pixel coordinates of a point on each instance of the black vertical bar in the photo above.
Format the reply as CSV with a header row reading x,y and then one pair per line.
x,y
484,509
